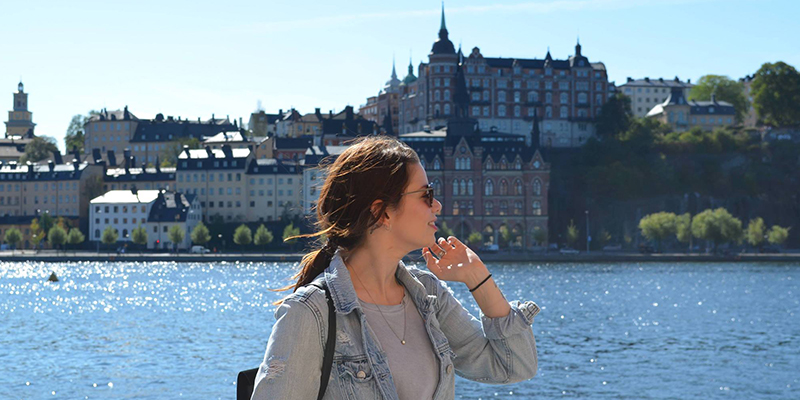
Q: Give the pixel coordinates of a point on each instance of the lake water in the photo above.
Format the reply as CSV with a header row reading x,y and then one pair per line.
x,y
606,331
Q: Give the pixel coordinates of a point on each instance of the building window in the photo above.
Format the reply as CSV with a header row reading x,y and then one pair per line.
x,y
564,112
501,111
537,207
489,188
503,207
488,208
537,187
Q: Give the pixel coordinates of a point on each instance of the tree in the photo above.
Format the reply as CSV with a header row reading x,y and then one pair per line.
x,y
37,233
74,138
717,226
75,237
776,93
444,231
13,236
200,234
683,229
263,236
777,235
110,236
176,235
723,89
572,233
172,150
603,238
288,232
474,239
38,149
46,222
243,235
615,116
139,236
658,227
56,237
755,232
504,236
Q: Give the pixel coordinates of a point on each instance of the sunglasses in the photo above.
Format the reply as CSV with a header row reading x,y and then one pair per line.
x,y
428,196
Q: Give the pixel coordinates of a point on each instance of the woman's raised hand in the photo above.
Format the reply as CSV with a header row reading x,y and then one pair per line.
x,y
454,262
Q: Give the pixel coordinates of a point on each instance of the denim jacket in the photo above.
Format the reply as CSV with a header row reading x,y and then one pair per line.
x,y
492,350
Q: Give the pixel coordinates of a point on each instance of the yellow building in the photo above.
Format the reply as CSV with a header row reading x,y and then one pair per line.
x,y
683,115
20,123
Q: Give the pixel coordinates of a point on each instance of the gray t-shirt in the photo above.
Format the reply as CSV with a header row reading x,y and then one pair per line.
x,y
414,366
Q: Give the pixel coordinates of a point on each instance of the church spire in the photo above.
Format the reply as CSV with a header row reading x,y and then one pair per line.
x,y
443,27
394,71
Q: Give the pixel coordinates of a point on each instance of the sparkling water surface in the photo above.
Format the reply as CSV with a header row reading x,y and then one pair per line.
x,y
606,331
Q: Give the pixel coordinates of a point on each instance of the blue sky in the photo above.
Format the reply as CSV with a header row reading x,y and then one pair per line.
x,y
192,59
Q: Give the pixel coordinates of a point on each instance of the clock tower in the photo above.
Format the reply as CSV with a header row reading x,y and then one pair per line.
x,y
20,121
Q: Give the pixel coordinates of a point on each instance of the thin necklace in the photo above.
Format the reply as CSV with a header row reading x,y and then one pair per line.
x,y
403,339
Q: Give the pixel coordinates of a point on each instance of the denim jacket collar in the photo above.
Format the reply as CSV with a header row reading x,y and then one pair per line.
x,y
344,295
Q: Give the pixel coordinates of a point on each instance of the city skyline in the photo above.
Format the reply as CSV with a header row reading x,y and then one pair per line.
x,y
191,61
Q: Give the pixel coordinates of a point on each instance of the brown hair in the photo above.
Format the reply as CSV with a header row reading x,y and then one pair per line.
x,y
372,168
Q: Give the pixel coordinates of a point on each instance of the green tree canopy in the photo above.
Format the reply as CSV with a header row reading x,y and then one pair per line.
x,y
200,234
615,116
56,237
683,228
658,227
288,232
176,234
776,94
540,236
777,235
572,233
755,232
717,226
263,236
139,235
37,233
474,239
243,235
74,138
723,89
38,149
444,231
75,237
13,236
110,235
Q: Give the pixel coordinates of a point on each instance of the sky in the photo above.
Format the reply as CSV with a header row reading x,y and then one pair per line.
x,y
197,58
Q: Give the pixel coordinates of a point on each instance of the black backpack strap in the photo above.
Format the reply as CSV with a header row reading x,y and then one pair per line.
x,y
330,344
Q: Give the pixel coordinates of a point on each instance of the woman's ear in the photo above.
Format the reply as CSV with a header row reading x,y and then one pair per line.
x,y
375,209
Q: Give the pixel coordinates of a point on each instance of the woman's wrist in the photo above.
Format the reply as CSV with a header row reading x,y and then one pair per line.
x,y
476,276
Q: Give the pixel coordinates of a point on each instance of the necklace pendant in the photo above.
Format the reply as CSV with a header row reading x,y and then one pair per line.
x,y
403,342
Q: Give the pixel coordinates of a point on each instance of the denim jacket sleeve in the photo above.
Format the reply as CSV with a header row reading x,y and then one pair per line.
x,y
295,349
493,350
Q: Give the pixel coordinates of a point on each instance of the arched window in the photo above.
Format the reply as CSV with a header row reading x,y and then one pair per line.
x,y
455,187
489,164
437,188
537,187
436,164
582,98
436,110
517,188
446,95
518,164
447,109
563,98
469,187
476,96
517,207
503,187
516,97
548,112
469,163
503,207
458,163
503,164
501,110
548,98
485,95
537,207
517,111
436,95
455,207
97,233
489,188
501,96
564,112
533,96
462,189
488,208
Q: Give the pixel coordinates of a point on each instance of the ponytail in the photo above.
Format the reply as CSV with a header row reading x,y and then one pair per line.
x,y
311,265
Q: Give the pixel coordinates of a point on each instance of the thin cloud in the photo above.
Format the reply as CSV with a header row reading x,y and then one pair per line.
x,y
527,7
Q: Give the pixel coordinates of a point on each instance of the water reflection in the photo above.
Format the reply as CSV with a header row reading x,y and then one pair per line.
x,y
156,330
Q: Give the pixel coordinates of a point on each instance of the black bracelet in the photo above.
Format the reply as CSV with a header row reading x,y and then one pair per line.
x,y
479,285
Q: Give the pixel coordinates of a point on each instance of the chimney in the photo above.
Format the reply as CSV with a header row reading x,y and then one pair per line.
x,y
280,112
209,152
689,81
126,155
318,114
647,79
133,161
630,79
348,111
178,199
96,156
75,164
226,149
50,165
112,159
76,153
57,157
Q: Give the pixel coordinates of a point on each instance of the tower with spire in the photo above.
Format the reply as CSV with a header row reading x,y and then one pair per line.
x,y
20,122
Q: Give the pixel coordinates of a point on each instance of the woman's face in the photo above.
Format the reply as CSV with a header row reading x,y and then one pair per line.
x,y
414,219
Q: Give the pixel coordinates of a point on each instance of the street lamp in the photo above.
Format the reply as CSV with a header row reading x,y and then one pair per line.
x,y
588,237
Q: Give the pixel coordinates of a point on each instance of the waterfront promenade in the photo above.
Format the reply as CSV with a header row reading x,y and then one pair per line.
x,y
555,257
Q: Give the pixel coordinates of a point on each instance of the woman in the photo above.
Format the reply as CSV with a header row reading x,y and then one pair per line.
x,y
400,332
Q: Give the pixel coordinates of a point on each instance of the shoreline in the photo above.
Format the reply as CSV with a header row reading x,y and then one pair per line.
x,y
51,256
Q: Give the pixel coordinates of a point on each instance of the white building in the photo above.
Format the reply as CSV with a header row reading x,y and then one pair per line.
x,y
156,210
647,93
314,177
